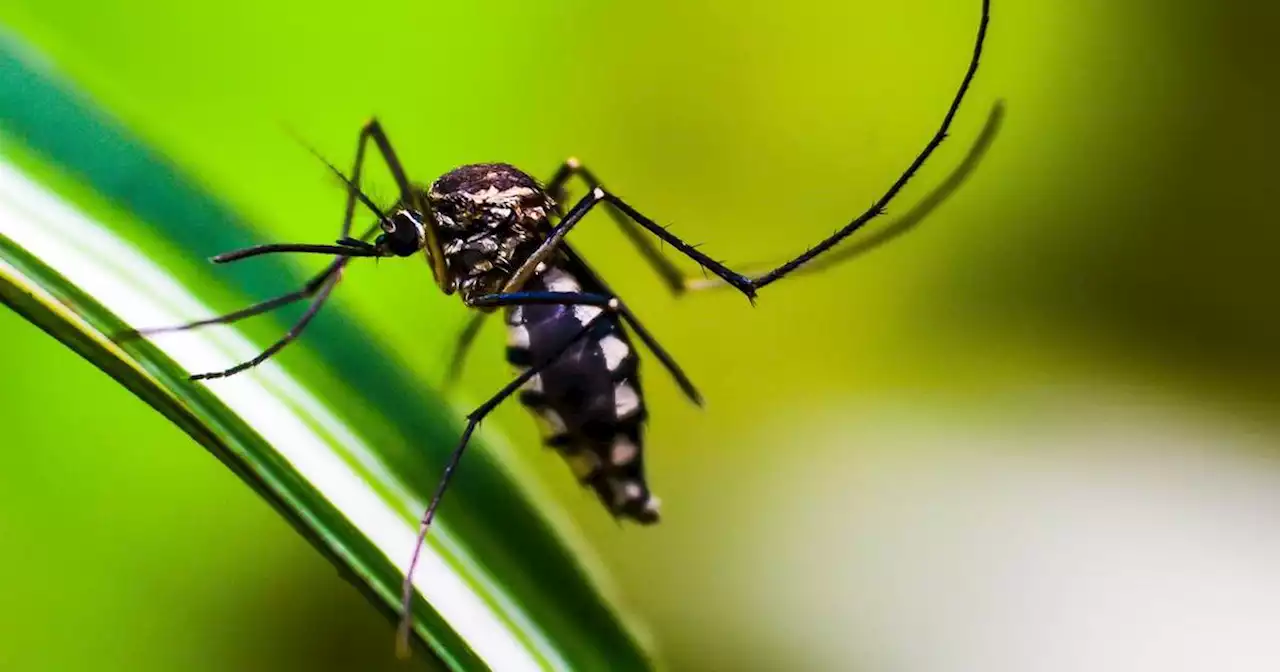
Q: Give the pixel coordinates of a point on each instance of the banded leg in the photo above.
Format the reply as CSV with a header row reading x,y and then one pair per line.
x,y
473,420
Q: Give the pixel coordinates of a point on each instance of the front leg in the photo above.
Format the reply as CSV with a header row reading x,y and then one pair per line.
x,y
598,195
670,275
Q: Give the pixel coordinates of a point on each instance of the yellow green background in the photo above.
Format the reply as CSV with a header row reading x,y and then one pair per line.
x,y
1119,235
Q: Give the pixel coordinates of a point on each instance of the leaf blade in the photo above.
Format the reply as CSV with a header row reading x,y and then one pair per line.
x,y
528,579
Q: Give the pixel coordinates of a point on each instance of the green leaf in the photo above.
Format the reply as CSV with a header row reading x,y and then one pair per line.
x,y
349,464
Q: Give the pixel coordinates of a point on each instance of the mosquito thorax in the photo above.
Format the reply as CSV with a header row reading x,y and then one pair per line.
x,y
489,218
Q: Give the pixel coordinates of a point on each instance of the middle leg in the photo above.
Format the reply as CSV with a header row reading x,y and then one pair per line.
x,y
473,420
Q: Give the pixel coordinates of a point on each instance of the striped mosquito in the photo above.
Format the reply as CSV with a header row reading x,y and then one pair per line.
x,y
496,237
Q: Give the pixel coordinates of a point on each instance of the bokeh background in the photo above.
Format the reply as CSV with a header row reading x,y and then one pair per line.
x,y
1037,433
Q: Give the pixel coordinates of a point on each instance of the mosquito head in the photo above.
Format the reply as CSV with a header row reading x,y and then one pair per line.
x,y
403,234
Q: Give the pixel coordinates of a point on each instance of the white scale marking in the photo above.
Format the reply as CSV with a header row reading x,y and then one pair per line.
x,y
559,281
615,350
624,451
586,313
652,505
624,492
517,337
534,384
625,400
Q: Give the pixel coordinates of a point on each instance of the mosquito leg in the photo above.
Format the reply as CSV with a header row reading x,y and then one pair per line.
x,y
580,210
663,356
321,285
408,195
465,339
583,268
346,250
539,298
901,225
314,284
556,188
603,301
676,282
670,275
326,288
307,290
372,130
878,207
473,420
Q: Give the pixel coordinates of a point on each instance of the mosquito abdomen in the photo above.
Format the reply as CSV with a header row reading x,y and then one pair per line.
x,y
589,401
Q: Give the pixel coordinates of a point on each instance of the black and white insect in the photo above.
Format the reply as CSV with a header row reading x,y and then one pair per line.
x,y
496,237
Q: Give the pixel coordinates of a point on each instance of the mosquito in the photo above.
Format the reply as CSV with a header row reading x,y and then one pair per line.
x,y
495,236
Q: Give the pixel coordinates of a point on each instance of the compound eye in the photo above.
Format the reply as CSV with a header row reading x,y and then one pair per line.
x,y
404,246
404,233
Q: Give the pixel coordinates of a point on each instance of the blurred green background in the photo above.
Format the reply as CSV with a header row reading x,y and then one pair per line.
x,y
1103,286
